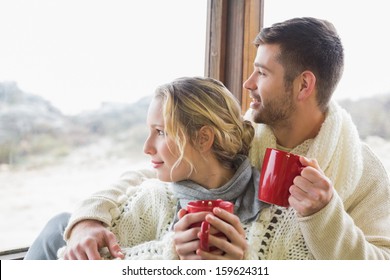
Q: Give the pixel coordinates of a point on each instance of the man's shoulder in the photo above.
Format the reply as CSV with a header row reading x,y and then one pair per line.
x,y
368,153
373,165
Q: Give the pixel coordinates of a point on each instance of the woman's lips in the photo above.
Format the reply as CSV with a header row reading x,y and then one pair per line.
x,y
157,164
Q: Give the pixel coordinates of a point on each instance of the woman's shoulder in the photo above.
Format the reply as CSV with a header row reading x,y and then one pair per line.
x,y
154,183
154,188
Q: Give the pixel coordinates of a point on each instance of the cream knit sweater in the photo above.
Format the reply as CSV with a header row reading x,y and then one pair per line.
x,y
354,225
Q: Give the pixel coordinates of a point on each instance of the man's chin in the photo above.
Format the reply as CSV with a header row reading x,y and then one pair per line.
x,y
256,117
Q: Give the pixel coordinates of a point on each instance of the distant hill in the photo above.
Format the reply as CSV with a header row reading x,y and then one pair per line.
x,y
30,125
371,115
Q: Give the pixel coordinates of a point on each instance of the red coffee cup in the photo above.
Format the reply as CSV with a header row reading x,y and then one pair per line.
x,y
277,175
207,206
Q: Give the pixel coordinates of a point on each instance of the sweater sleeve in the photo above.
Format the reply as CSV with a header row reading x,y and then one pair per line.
x,y
359,228
143,226
102,205
153,250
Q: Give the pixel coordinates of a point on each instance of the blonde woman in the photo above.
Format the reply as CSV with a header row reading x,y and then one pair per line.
x,y
199,142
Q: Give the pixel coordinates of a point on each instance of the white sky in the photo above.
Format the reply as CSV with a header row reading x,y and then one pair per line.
x,y
79,53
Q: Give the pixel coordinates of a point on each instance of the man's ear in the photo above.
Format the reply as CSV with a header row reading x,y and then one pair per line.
x,y
205,138
307,83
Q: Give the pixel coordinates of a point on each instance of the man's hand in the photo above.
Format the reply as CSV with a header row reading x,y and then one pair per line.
x,y
312,190
87,238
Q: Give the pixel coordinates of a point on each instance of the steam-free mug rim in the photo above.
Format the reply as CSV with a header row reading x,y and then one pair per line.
x,y
208,205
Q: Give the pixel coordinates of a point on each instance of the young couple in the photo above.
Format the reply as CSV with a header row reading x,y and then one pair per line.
x,y
339,205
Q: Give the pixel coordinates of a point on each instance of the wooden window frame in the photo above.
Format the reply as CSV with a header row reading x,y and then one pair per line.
x,y
14,254
232,25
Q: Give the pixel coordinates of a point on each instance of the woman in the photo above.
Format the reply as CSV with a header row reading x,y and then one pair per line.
x,y
199,142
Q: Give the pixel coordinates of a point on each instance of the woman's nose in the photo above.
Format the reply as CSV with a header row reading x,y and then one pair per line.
x,y
148,148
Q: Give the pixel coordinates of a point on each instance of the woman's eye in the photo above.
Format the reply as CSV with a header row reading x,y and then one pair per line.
x,y
160,132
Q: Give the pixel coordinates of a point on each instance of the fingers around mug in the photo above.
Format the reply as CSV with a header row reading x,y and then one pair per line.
x,y
204,236
230,250
181,213
313,175
228,218
319,189
187,220
186,236
297,192
234,248
213,255
234,233
309,162
191,257
186,251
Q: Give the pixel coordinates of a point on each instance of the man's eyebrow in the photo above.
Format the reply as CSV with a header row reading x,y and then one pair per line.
x,y
256,64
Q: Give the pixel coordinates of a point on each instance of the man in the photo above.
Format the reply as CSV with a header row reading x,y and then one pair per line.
x,y
345,214
340,205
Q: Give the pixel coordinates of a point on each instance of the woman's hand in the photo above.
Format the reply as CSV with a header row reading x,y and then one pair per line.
x,y
234,245
87,237
186,238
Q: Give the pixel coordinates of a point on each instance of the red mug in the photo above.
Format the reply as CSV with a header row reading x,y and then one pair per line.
x,y
277,175
207,206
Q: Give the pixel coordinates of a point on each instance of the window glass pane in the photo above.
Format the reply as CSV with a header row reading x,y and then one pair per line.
x,y
364,89
76,77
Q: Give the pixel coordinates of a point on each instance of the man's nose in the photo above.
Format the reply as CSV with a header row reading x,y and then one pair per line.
x,y
250,83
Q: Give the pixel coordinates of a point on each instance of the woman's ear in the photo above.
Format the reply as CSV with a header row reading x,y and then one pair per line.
x,y
307,83
206,138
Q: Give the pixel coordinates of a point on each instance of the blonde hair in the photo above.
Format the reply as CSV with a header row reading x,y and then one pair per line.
x,y
192,103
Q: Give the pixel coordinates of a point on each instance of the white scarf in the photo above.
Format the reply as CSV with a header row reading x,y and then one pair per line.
x,y
337,148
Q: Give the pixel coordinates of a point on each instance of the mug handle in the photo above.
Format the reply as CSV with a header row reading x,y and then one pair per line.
x,y
204,236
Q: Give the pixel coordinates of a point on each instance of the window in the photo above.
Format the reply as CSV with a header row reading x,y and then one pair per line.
x,y
75,78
